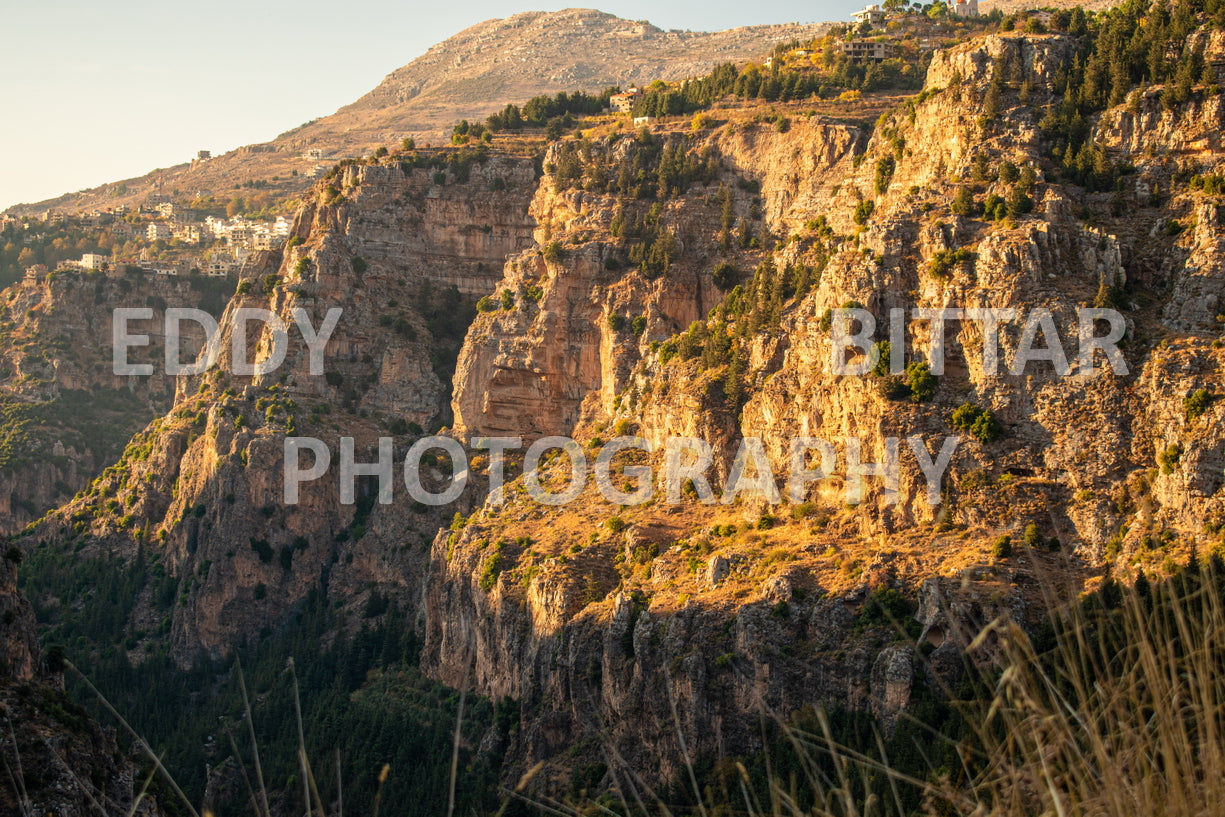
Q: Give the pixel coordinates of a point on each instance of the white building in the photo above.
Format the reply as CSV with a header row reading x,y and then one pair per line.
x,y
157,231
965,8
873,15
94,261
624,102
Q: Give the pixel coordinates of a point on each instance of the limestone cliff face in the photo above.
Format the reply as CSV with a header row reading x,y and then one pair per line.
x,y
529,369
56,367
394,249
599,629
456,230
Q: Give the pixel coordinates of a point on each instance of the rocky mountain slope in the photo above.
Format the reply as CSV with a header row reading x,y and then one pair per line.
x,y
67,414
683,281
398,250
634,625
468,76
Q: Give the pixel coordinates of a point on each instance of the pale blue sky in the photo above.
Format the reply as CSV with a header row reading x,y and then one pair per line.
x,y
93,92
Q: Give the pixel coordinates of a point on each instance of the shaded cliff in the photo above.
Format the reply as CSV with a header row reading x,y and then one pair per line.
x,y
66,414
393,247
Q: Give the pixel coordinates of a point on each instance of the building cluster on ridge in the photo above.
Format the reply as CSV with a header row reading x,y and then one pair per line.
x,y
215,247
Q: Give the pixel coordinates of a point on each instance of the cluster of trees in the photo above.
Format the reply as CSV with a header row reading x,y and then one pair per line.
x,y
538,111
1015,203
778,84
400,718
1136,44
458,162
721,343
648,168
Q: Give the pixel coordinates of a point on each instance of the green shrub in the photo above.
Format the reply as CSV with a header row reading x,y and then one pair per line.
x,y
980,423
994,209
1033,536
486,304
921,382
963,203
491,569
1197,403
725,276
863,211
884,173
616,322
1170,457
886,607
943,261
262,549
667,351
1002,548
884,351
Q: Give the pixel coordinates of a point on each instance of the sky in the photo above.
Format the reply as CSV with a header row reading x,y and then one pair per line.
x,y
97,92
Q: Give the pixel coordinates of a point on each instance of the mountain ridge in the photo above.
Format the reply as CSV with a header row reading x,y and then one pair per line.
x,y
588,49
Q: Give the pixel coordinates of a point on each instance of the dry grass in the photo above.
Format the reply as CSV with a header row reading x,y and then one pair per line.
x,y
1118,711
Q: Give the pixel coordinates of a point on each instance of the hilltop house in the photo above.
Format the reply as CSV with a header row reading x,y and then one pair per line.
x,y
624,102
874,15
964,8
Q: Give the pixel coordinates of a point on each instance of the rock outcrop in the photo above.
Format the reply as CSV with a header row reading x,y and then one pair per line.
x,y
631,625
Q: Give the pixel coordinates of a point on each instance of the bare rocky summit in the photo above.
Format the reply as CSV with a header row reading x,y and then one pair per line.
x,y
470,75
